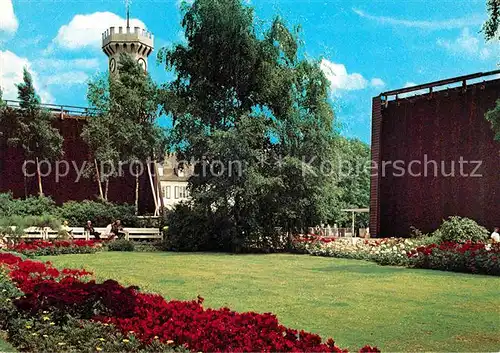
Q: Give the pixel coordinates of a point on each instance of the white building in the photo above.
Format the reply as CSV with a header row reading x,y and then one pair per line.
x,y
173,182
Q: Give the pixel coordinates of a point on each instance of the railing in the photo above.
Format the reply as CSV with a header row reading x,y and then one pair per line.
x,y
433,85
66,110
337,232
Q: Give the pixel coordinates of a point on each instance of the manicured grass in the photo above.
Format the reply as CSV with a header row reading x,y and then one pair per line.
x,y
355,302
5,347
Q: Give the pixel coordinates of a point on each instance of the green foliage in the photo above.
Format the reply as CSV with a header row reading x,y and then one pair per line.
x,y
350,182
31,206
101,213
121,245
8,292
61,250
148,247
30,127
34,131
243,97
123,125
189,230
2,102
458,229
491,26
493,116
41,334
13,226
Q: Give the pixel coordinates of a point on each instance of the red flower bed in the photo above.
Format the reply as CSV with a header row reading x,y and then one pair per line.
x,y
461,257
44,244
151,317
44,247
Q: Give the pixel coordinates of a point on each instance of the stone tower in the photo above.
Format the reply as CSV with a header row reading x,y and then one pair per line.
x,y
137,42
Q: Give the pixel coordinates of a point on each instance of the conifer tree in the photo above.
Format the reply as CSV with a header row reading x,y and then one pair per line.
x,y
33,130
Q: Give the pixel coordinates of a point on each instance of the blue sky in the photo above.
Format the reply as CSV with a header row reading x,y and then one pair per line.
x,y
367,47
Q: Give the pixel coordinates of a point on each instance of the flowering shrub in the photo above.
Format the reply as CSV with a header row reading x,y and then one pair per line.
x,y
390,251
467,257
41,334
149,318
471,257
58,247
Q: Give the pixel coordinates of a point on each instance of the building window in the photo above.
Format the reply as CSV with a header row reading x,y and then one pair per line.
x,y
183,194
176,191
167,192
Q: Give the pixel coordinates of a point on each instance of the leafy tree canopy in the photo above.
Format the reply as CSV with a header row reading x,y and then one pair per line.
x,y
245,94
491,26
493,116
34,130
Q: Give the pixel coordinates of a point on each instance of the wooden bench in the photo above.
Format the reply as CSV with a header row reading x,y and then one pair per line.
x,y
144,234
79,233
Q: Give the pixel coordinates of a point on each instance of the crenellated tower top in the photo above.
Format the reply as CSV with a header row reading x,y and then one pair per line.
x,y
137,42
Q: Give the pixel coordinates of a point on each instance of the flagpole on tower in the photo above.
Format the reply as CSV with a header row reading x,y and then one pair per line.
x,y
127,3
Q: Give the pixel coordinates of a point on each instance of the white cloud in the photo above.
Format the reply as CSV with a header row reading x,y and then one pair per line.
x,y
377,82
340,79
473,20
412,93
66,72
11,73
67,64
67,78
8,20
85,31
468,45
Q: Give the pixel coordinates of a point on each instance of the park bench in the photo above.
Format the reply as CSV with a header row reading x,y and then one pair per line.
x,y
79,233
131,234
34,233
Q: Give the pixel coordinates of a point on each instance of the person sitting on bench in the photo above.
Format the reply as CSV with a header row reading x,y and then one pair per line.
x,y
91,230
117,230
66,232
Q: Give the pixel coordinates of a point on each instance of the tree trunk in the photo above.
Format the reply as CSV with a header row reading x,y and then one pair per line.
x,y
136,190
39,177
25,187
99,182
106,190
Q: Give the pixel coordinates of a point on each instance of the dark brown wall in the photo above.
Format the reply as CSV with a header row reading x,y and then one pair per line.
x,y
121,190
445,126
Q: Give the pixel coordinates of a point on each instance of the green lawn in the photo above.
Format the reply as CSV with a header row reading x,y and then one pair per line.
x,y
5,347
355,302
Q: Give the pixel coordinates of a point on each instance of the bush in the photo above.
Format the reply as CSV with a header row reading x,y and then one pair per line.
x,y
46,214
192,228
100,213
459,230
458,257
188,230
8,292
147,247
31,206
121,245
14,226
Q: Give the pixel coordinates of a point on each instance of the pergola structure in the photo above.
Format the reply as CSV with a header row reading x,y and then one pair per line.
x,y
354,211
